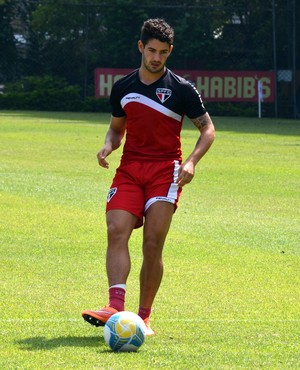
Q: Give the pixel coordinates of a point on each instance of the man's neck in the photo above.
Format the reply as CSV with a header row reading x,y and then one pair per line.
x,y
147,77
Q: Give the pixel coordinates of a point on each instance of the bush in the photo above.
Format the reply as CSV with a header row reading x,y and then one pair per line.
x,y
92,104
232,109
50,94
41,93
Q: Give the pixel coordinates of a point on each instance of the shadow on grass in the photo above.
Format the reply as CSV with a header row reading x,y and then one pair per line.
x,y
42,343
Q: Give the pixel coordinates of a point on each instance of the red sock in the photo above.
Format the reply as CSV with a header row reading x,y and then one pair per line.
x,y
117,298
144,312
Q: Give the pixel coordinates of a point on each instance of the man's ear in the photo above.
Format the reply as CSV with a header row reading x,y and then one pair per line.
x,y
140,46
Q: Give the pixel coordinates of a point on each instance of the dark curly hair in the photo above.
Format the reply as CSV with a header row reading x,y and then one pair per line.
x,y
158,29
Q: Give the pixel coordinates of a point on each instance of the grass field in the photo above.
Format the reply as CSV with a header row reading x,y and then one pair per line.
x,y
230,297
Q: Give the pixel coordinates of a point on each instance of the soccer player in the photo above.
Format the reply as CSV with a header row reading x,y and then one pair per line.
x,y
149,105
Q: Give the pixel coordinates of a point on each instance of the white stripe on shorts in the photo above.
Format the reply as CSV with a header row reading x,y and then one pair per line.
x,y
172,193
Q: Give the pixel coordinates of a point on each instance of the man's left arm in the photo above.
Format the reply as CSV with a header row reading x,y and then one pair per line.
x,y
207,135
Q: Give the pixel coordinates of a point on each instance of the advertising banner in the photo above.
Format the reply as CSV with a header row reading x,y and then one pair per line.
x,y
218,86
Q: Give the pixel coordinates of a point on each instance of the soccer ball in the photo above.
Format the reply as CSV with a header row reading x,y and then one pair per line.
x,y
124,331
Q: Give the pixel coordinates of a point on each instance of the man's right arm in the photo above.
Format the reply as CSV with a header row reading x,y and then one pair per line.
x,y
113,139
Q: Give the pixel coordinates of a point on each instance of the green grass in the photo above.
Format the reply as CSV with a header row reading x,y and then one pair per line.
x,y
230,297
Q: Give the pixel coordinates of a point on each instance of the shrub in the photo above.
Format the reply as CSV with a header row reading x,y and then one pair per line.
x,y
41,93
92,104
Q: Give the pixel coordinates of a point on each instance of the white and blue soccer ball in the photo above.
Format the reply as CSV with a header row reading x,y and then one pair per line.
x,y
124,331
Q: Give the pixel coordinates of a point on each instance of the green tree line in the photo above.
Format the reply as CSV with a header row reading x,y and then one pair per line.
x,y
68,39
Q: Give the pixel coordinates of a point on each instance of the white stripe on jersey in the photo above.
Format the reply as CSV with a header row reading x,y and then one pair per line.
x,y
142,99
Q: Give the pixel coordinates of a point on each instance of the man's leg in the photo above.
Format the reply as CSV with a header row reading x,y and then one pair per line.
x,y
119,228
157,223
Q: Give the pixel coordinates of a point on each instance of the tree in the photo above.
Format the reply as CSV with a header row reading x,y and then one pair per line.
x,y
9,55
60,29
70,38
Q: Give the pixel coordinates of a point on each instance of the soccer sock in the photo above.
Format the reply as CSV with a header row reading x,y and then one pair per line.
x,y
144,312
117,296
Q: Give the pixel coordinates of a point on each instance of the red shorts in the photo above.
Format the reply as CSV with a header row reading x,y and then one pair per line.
x,y
137,185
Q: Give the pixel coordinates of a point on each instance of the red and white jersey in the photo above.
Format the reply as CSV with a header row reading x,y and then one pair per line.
x,y
154,115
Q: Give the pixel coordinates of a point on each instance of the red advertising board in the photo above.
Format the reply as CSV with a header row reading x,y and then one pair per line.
x,y
218,86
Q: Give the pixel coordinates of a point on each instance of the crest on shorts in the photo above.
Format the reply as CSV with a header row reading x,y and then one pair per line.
x,y
111,193
163,94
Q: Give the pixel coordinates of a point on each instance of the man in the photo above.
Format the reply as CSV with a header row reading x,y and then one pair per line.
x,y
149,105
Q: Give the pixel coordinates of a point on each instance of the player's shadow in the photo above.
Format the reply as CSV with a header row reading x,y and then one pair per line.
x,y
42,343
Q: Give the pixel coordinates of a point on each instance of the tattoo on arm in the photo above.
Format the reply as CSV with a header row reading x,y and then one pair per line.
x,y
201,121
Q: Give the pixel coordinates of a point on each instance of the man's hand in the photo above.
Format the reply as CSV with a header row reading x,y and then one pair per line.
x,y
185,173
113,139
102,154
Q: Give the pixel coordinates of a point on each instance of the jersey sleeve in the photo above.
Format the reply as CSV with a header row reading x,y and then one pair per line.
x,y
115,102
193,103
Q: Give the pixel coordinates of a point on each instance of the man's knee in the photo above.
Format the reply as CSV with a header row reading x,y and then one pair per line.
x,y
120,222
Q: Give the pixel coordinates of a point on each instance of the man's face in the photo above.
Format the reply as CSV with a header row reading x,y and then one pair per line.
x,y
154,55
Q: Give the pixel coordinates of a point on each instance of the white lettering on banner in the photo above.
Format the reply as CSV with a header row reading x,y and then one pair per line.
x,y
235,88
106,82
266,87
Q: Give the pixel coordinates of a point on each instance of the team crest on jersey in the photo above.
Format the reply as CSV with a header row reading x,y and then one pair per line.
x,y
163,94
111,193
